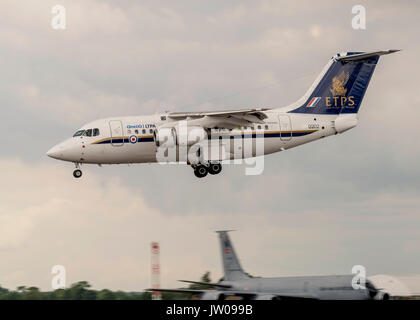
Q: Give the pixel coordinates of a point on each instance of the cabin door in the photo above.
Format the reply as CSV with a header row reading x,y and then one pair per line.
x,y
285,127
117,136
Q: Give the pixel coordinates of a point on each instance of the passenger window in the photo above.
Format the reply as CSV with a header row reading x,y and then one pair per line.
x,y
266,127
151,131
143,131
129,131
136,131
163,118
259,127
88,133
96,132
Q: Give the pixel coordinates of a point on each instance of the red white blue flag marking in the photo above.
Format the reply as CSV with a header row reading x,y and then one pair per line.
x,y
313,102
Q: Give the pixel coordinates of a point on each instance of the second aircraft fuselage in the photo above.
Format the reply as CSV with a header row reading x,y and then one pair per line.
x,y
337,287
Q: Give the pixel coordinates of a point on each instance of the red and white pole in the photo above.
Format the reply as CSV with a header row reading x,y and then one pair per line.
x,y
156,295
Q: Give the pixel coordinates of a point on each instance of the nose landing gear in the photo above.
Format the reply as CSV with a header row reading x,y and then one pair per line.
x,y
77,173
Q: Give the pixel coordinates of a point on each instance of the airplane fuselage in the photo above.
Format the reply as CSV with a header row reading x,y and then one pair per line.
x,y
131,139
337,287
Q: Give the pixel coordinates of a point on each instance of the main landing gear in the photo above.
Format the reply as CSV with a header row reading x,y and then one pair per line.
x,y
77,173
201,170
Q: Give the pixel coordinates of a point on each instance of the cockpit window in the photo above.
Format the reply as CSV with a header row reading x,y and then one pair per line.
x,y
87,133
78,133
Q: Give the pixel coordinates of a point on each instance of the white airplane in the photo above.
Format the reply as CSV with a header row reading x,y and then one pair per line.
x,y
330,106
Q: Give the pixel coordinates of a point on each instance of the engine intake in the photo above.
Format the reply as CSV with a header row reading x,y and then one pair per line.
x,y
213,295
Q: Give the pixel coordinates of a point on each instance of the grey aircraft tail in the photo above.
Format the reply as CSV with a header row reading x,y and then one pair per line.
x,y
231,266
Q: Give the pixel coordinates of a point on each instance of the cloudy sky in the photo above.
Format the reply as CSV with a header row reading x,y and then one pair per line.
x,y
317,209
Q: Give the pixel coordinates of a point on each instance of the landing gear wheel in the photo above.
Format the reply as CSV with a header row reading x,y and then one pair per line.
x,y
215,168
200,171
77,173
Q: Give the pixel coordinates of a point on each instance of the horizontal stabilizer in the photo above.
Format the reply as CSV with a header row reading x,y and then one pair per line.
x,y
364,55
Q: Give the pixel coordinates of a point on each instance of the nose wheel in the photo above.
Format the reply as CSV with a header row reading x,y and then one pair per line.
x,y
77,173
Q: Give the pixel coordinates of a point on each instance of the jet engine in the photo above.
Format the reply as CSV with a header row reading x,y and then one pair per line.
x,y
375,293
213,295
181,135
266,297
381,295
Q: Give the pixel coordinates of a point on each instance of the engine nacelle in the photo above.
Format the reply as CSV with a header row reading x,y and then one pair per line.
x,y
213,295
265,297
381,295
181,135
165,136
189,135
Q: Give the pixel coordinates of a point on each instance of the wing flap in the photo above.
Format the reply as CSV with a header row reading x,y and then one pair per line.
x,y
221,119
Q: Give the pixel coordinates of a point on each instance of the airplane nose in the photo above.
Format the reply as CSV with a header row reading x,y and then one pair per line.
x,y
55,152
68,150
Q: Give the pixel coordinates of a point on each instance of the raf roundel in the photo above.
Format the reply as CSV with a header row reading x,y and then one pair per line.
x,y
133,139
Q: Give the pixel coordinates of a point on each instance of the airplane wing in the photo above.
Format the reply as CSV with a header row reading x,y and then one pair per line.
x,y
193,291
228,119
226,113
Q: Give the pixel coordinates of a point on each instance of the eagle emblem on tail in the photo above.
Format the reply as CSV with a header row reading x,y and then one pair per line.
x,y
338,84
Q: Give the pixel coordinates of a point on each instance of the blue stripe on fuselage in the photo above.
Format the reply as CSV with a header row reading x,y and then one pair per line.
x,y
235,136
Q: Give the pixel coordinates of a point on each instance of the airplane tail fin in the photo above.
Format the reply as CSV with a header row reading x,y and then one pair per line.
x,y
340,87
231,267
